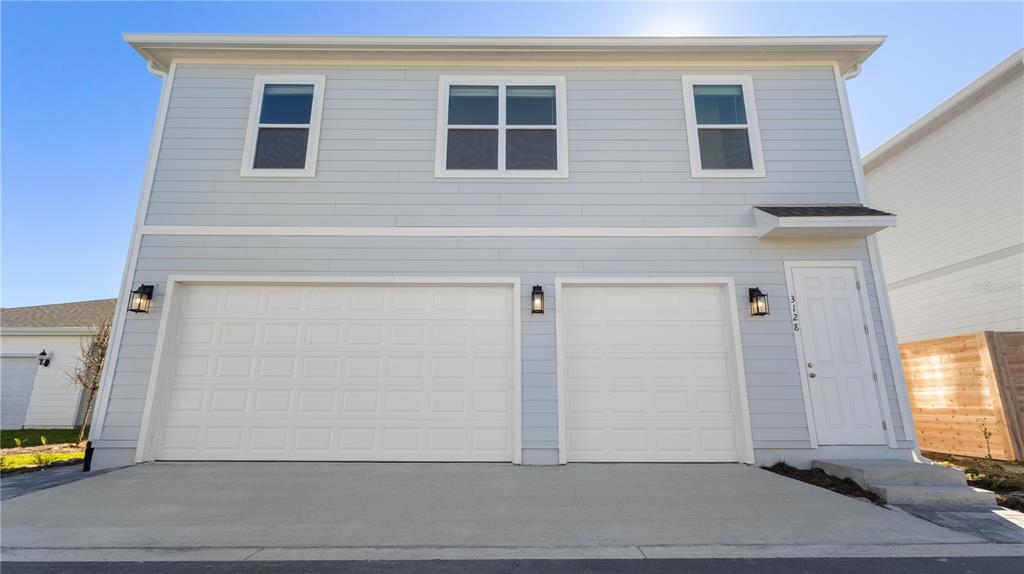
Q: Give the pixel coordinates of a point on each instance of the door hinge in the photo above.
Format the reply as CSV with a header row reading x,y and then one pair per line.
x,y
884,427
875,376
865,329
857,282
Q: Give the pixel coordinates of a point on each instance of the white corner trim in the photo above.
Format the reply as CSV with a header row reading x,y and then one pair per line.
x,y
502,82
752,126
155,397
742,405
241,230
877,273
880,393
252,130
131,261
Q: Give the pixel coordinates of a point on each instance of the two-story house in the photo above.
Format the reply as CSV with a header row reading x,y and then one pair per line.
x,y
529,250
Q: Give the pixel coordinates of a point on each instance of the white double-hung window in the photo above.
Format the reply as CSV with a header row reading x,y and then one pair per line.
x,y
284,126
509,127
721,126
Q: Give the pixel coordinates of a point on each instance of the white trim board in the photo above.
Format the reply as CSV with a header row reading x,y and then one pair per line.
x,y
131,261
945,111
877,273
166,333
241,230
876,365
162,49
47,331
746,451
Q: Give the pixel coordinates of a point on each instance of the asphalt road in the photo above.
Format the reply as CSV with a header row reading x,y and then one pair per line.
x,y
979,565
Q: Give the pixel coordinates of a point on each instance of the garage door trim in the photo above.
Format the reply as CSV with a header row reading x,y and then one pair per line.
x,y
727,283
168,307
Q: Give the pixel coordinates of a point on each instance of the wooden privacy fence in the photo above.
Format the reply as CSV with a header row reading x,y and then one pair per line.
x,y
967,393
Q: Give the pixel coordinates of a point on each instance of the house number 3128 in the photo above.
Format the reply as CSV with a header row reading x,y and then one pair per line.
x,y
796,316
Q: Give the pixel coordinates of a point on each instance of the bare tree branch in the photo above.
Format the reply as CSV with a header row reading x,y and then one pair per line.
x,y
86,374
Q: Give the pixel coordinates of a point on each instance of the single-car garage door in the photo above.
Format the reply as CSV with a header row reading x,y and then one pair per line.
x,y
17,376
650,374
402,372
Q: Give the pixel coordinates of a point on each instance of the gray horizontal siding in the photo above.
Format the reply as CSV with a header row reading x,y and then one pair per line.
x,y
775,396
628,158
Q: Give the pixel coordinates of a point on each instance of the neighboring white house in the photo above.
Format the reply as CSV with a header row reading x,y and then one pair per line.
x,y
955,263
529,250
39,346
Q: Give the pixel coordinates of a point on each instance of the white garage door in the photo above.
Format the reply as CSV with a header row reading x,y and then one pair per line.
x,y
649,374
17,376
339,372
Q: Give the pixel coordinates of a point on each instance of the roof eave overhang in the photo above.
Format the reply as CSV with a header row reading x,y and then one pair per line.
x,y
848,52
945,111
46,331
850,226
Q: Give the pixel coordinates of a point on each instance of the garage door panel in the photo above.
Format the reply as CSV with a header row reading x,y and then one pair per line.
x,y
649,374
340,372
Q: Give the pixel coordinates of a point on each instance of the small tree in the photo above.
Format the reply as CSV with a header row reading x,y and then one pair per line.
x,y
86,375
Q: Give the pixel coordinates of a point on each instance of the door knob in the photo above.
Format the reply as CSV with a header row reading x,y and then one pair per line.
x,y
812,375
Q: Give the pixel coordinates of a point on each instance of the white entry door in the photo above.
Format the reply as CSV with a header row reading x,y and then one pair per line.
x,y
339,372
841,378
650,374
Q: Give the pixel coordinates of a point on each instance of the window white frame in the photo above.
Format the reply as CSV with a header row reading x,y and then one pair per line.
x,y
752,127
561,127
252,132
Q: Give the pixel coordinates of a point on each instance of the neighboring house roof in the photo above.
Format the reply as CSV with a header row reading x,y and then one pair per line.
x,y
819,210
61,315
161,49
946,110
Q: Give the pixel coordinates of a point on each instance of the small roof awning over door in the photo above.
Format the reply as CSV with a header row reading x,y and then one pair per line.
x,y
820,220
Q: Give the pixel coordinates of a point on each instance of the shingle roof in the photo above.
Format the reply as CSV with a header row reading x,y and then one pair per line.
x,y
819,210
77,314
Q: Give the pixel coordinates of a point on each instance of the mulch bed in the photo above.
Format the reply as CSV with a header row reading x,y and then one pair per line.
x,y
1004,478
817,477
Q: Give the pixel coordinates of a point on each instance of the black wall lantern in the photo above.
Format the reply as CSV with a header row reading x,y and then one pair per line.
x,y
141,299
44,359
758,302
537,300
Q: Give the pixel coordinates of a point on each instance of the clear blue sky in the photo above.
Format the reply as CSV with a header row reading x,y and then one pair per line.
x,y
78,105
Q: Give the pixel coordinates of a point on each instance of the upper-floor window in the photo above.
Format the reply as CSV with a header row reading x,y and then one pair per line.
x,y
721,126
509,127
284,126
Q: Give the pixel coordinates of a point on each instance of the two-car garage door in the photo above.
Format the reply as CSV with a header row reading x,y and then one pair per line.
x,y
339,372
428,372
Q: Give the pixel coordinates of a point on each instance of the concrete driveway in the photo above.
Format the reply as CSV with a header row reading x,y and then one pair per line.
x,y
642,508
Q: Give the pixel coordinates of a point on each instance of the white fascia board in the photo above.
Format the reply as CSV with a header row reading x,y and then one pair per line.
x,y
46,331
944,111
769,225
161,49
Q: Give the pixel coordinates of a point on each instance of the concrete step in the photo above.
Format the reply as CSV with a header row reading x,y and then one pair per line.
x,y
912,494
892,472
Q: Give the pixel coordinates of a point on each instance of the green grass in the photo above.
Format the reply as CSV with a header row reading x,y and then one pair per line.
x,y
16,461
30,437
